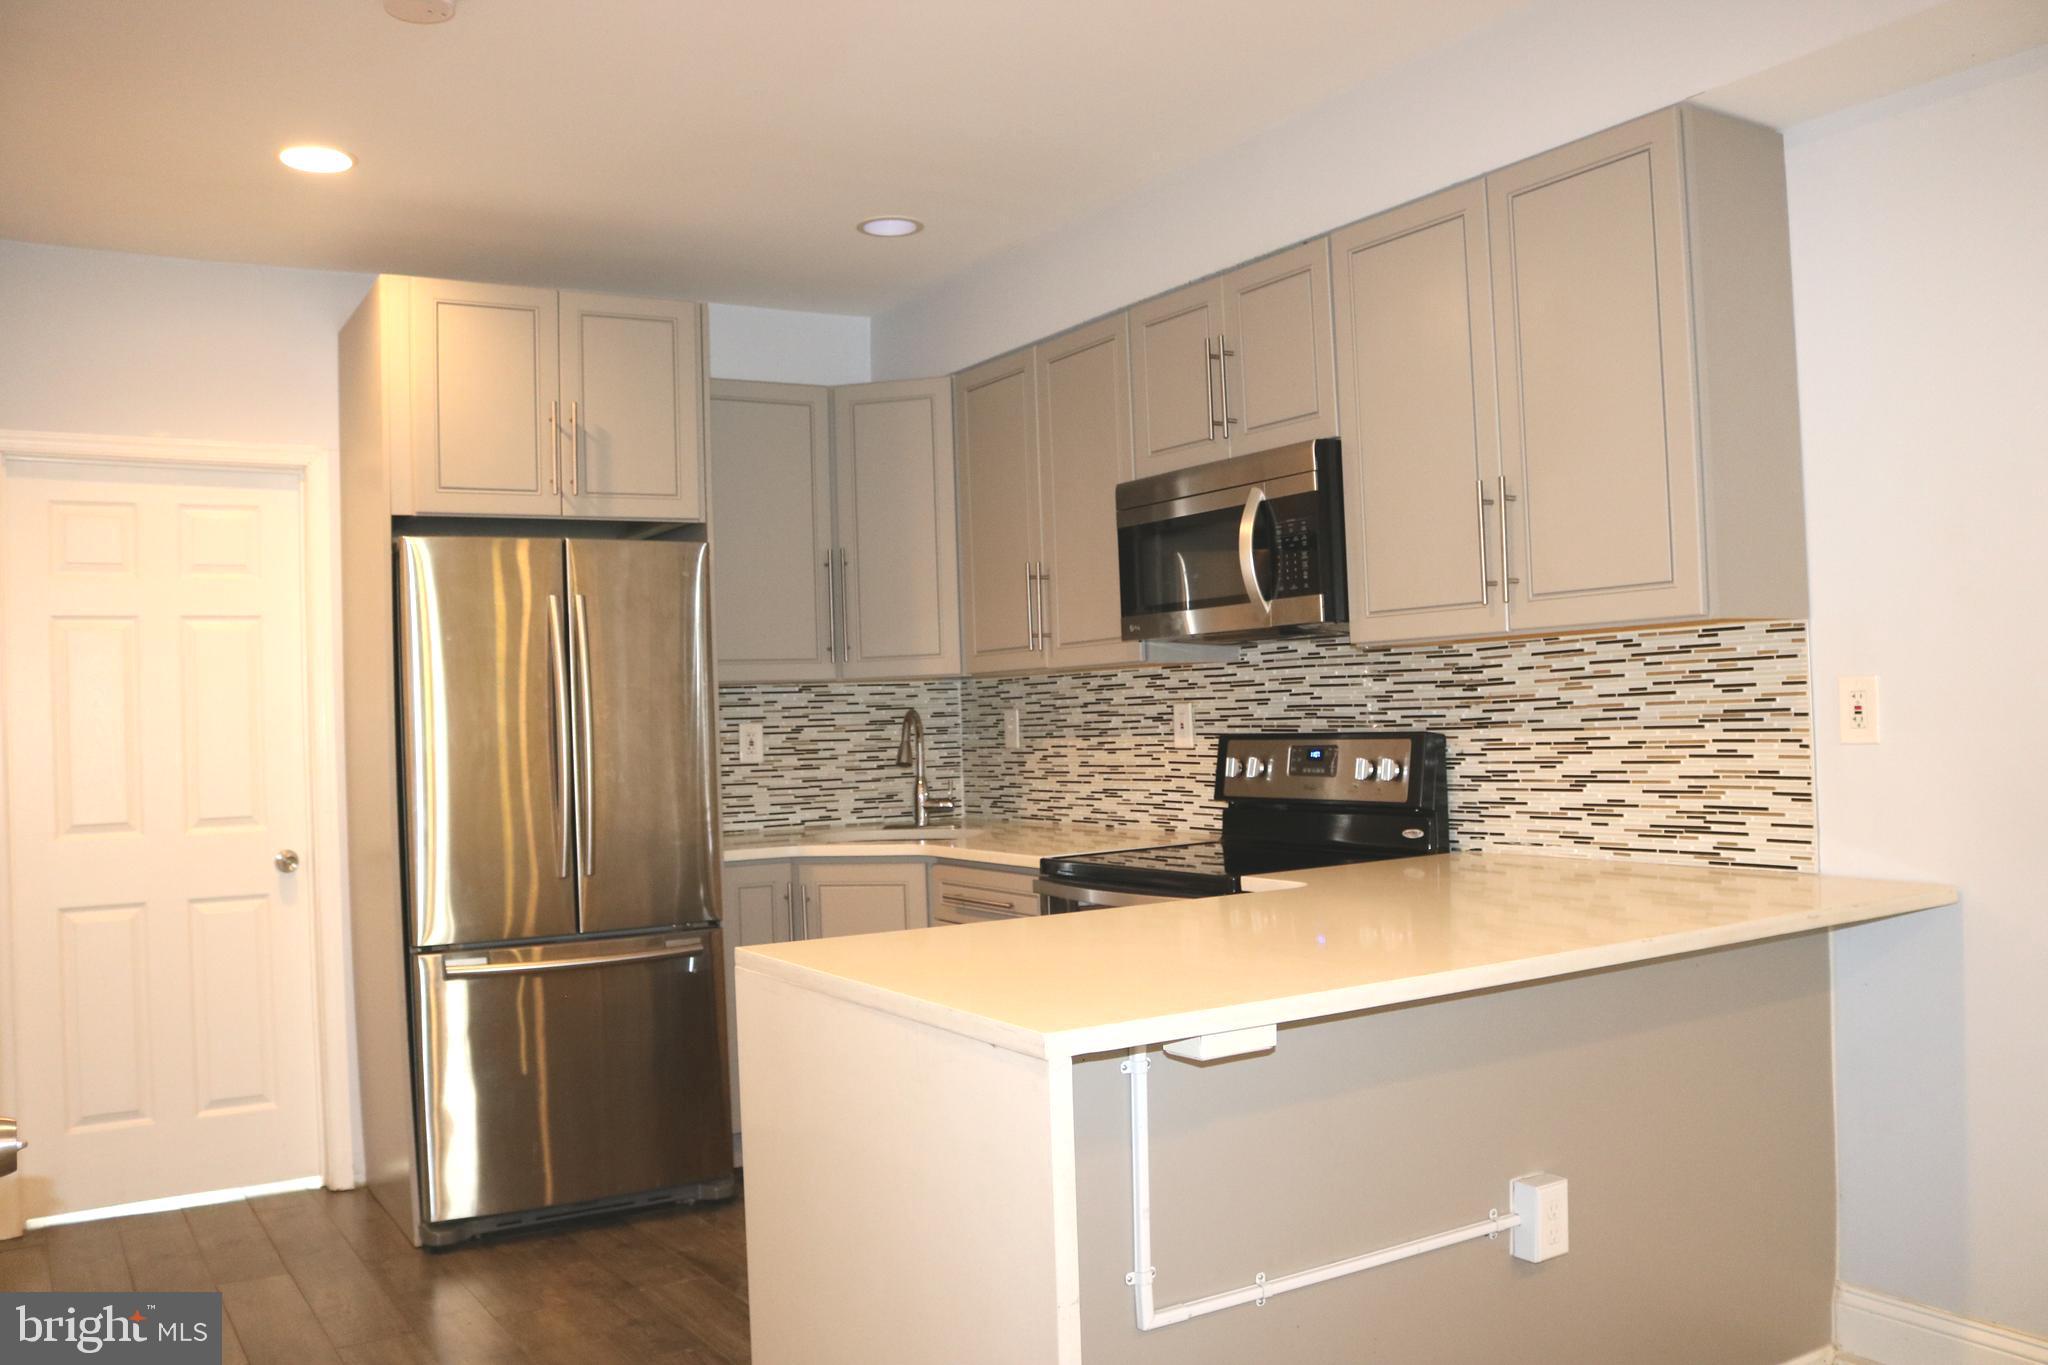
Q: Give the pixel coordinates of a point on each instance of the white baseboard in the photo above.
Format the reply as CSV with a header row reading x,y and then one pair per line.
x,y
1824,1356
178,1201
1892,1331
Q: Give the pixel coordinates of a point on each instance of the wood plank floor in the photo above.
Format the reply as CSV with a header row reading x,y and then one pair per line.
x,y
328,1277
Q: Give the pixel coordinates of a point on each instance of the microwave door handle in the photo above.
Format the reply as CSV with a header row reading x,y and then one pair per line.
x,y
1246,564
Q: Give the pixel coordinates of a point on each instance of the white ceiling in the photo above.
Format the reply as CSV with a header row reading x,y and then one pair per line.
x,y
710,148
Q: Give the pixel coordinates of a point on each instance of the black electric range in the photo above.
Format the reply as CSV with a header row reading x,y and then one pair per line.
x,y
1290,802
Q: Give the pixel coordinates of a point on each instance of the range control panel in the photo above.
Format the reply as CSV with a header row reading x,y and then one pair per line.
x,y
1351,768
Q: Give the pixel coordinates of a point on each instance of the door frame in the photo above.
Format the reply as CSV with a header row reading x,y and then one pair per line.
x,y
317,469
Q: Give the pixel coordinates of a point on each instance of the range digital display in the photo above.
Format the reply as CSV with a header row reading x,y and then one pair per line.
x,y
1312,760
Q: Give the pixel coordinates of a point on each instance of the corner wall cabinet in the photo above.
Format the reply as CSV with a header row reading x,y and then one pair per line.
x,y
514,401
1235,364
1569,391
835,538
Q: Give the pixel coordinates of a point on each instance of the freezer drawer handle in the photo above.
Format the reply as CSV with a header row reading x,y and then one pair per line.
x,y
474,966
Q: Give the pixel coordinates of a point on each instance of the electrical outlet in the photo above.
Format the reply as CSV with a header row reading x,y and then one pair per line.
x,y
1013,728
753,743
1183,725
1545,1229
1859,711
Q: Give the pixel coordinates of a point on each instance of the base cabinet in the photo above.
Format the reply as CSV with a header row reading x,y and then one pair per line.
x,y
860,896
756,908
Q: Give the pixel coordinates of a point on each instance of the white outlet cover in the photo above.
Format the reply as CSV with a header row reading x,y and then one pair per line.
x,y
1013,728
1858,722
753,741
1184,725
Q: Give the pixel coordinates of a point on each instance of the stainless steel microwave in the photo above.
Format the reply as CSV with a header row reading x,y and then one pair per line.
x,y
1236,550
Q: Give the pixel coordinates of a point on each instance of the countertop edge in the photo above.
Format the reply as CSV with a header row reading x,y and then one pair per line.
x,y
933,851
1910,897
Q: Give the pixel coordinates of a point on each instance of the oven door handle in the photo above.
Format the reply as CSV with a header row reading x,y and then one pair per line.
x,y
1254,500
1092,897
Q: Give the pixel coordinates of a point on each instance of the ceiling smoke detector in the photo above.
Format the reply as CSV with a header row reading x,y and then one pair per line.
x,y
421,11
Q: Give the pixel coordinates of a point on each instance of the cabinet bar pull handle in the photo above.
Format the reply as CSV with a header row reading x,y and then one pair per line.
x,y
575,438
1044,602
1507,575
1030,607
1223,355
554,445
831,608
1210,361
1486,584
845,610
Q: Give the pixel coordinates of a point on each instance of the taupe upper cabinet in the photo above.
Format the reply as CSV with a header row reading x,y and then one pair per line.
x,y
1569,394
1421,443
898,571
1045,437
529,402
771,540
1236,364
484,401
1084,450
632,384
1649,429
996,407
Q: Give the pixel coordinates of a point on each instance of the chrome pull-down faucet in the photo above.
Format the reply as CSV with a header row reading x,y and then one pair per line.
x,y
910,754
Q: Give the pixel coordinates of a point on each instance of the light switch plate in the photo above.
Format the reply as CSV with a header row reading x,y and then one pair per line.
x,y
1859,710
1183,725
753,743
1013,728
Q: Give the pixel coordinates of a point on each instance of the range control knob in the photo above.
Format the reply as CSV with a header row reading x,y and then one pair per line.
x,y
1387,770
1231,767
1254,767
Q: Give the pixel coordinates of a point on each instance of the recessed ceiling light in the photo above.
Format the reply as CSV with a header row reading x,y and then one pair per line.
x,y
317,160
891,227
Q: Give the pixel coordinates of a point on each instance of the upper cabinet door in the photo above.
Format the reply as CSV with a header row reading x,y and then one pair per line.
x,y
1279,380
1176,381
898,545
996,412
483,399
632,408
1421,443
1594,338
771,533
1084,444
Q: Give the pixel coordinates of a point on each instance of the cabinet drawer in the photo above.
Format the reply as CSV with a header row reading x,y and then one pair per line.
x,y
961,895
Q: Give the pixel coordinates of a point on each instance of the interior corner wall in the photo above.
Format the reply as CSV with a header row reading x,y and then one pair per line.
x,y
1921,289
786,346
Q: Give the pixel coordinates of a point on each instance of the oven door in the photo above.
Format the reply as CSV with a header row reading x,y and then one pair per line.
x,y
1202,566
1057,896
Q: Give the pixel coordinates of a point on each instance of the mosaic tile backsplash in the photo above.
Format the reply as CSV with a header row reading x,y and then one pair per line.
x,y
831,751
1690,743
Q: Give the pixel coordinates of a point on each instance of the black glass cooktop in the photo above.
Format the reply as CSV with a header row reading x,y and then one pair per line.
x,y
1210,867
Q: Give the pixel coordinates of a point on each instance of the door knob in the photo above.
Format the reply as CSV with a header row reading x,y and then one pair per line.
x,y
10,1146
287,860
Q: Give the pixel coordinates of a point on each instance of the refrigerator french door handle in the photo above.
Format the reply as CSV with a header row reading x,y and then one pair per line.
x,y
579,623
464,967
558,697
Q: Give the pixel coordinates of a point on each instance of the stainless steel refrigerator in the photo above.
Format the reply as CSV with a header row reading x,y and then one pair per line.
x,y
559,809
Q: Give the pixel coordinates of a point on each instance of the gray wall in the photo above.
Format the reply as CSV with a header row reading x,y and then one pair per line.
x,y
1687,1102
1921,286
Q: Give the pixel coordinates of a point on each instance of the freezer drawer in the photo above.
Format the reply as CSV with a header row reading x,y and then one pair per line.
x,y
559,1073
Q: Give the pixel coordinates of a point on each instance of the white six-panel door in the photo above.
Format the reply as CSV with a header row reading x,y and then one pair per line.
x,y
155,705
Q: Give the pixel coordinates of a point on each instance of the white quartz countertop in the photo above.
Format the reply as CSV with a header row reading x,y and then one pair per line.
x,y
1002,843
1343,939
